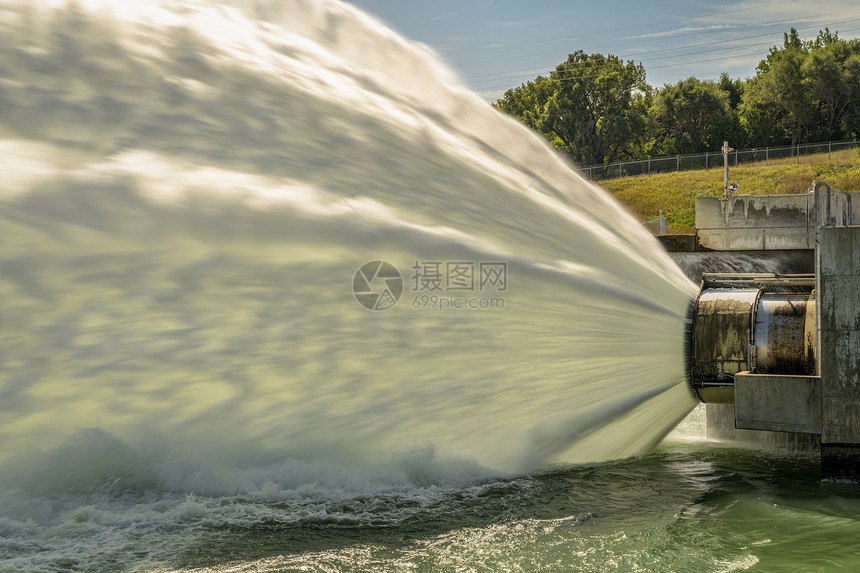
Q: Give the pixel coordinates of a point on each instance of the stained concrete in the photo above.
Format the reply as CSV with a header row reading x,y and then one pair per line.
x,y
778,403
839,327
680,243
760,222
721,426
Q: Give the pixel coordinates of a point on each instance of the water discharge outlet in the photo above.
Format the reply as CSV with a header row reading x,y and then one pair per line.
x,y
780,352
758,323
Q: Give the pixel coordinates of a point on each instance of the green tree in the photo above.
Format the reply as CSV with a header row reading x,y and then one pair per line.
x,y
598,109
733,88
832,78
597,113
591,107
528,101
805,91
690,117
782,86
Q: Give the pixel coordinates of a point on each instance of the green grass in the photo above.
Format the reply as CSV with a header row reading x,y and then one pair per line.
x,y
675,193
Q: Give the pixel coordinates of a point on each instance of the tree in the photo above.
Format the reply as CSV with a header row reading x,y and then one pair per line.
x,y
729,126
528,102
598,109
851,120
782,86
597,113
690,117
832,78
805,91
734,90
591,107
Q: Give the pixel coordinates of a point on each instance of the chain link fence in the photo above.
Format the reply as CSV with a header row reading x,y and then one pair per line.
x,y
798,153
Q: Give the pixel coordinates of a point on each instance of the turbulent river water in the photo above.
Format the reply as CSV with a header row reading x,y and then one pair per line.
x,y
276,293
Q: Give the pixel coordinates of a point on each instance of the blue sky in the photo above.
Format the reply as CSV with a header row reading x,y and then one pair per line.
x,y
498,44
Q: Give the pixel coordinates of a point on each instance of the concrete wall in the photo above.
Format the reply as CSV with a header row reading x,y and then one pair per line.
x,y
760,222
721,426
778,403
839,296
679,243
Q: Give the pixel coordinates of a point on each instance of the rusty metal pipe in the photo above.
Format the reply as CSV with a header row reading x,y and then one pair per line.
x,y
758,323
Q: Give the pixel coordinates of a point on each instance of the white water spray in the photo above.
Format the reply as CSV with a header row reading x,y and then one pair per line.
x,y
188,191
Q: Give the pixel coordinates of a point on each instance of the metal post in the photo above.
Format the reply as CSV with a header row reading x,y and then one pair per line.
x,y
766,159
726,150
828,150
816,226
649,166
706,160
839,209
678,163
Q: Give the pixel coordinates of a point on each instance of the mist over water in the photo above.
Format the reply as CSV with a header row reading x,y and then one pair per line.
x,y
188,191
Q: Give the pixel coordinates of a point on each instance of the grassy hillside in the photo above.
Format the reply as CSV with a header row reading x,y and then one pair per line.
x,y
675,193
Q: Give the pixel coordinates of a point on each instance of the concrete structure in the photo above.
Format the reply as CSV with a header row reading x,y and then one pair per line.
x,y
722,422
762,222
680,243
782,353
839,339
778,403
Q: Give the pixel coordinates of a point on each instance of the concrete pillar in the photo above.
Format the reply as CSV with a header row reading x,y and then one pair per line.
x,y
839,296
720,425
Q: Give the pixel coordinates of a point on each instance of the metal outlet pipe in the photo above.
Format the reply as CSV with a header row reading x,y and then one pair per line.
x,y
754,326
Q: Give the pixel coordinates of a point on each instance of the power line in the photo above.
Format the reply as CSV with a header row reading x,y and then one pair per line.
x,y
591,67
687,63
623,29
720,42
735,47
764,24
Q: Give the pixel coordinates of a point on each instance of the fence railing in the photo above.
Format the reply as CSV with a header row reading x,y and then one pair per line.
x,y
658,226
710,159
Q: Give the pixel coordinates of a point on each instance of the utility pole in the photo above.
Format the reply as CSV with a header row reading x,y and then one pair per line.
x,y
727,190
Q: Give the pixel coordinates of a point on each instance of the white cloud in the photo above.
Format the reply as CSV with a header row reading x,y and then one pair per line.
x,y
444,16
685,30
799,11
